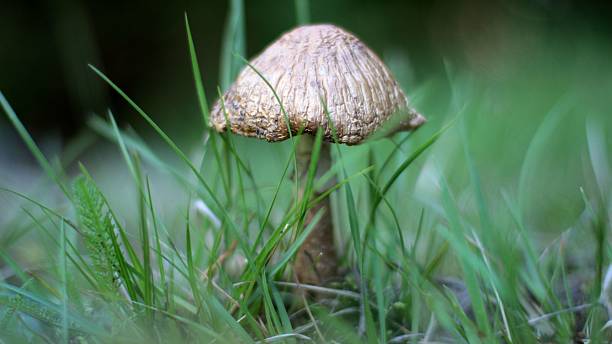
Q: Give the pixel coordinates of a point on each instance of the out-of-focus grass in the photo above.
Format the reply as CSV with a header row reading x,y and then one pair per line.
x,y
492,230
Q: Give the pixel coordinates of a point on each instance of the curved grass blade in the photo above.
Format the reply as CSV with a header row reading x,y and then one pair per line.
x,y
469,263
542,133
29,141
407,162
296,244
241,239
197,75
64,281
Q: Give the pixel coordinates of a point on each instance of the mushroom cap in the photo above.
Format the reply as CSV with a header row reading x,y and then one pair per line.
x,y
310,68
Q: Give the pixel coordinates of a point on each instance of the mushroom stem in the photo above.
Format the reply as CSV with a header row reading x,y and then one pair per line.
x,y
316,262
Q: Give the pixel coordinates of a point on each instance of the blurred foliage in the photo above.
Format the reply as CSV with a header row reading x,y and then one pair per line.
x,y
47,45
527,84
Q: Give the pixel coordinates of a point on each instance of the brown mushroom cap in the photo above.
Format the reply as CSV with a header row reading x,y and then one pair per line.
x,y
307,67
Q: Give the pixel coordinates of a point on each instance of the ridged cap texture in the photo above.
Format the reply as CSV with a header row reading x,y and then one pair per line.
x,y
310,68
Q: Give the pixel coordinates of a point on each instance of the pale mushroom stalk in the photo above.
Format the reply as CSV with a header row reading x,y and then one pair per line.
x,y
307,67
316,261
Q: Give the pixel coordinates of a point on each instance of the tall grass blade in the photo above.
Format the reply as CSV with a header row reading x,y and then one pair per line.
x,y
398,171
64,281
158,249
280,307
380,301
370,326
272,319
147,270
234,42
197,76
469,264
538,141
29,141
286,118
302,11
191,269
312,170
183,157
39,307
295,246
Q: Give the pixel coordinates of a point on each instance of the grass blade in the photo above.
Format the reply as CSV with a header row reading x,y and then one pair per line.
x,y
295,246
234,42
29,141
302,11
241,239
64,281
197,78
469,274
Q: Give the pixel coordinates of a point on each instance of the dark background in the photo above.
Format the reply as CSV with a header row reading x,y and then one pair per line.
x,y
45,46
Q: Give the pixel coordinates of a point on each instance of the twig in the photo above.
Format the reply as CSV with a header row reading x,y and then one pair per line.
x,y
225,294
312,319
284,336
220,260
349,310
339,292
404,337
431,328
536,320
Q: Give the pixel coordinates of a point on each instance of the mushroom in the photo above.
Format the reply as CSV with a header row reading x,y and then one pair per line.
x,y
319,73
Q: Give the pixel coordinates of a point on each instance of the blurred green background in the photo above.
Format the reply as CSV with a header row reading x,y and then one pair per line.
x,y
46,46
513,69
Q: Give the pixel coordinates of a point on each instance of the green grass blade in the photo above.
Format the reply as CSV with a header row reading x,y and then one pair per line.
x,y
134,144
14,265
147,271
312,170
400,169
234,42
238,162
266,218
39,307
302,11
291,251
280,307
285,117
538,282
197,76
135,170
193,277
538,141
64,281
158,250
123,148
467,260
380,301
78,261
29,141
226,319
397,148
272,319
370,326
410,159
243,243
